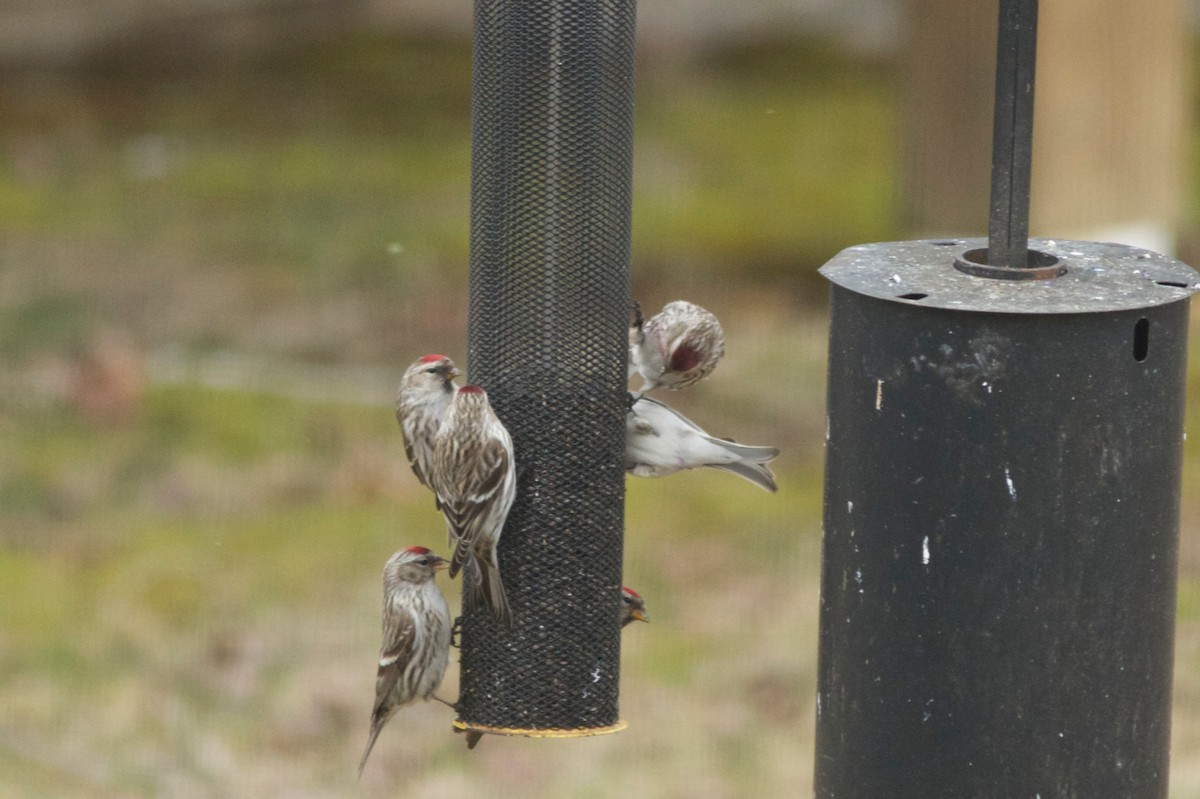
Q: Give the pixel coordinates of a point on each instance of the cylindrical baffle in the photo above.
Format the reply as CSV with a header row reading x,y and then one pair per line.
x,y
551,185
1001,500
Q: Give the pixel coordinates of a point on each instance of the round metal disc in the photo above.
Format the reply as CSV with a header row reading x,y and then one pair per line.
x,y
1098,277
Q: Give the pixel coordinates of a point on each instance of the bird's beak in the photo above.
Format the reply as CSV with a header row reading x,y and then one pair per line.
x,y
640,616
452,373
442,563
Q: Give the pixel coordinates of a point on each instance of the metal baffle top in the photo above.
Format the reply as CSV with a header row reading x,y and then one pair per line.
x,y
1099,277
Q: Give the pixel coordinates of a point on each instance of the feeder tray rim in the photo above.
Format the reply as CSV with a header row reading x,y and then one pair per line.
x,y
1099,277
545,732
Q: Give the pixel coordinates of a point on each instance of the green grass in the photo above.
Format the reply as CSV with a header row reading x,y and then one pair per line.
x,y
217,605
317,172
767,169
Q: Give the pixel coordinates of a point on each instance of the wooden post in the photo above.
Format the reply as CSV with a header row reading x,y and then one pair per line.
x,y
1112,113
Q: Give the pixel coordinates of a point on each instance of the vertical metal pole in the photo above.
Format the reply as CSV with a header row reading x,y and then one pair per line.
x,y
551,179
1012,141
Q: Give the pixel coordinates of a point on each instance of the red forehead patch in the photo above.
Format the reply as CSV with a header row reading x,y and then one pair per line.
x,y
631,592
469,389
432,358
417,550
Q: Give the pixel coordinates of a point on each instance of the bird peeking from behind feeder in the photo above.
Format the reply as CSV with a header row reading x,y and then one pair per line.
x,y
633,607
676,347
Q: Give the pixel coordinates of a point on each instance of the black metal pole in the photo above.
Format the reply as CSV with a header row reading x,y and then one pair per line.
x,y
551,185
1012,140
1001,525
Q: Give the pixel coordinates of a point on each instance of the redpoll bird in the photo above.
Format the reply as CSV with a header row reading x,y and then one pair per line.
x,y
676,347
425,392
416,636
633,607
476,481
660,441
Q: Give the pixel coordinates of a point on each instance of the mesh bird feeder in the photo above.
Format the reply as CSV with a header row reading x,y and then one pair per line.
x,y
1005,425
551,179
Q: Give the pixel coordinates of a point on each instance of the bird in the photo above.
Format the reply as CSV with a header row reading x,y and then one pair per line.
x,y
676,347
633,607
659,440
475,478
416,637
426,391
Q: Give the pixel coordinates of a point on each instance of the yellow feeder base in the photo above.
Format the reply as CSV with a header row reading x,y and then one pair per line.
x,y
540,733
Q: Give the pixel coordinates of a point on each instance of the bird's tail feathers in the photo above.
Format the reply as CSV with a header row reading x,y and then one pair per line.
x,y
747,452
756,473
492,591
376,726
473,594
462,556
482,587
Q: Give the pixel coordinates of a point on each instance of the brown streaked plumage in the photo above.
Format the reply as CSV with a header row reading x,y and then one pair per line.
x,y
416,637
475,479
676,347
426,391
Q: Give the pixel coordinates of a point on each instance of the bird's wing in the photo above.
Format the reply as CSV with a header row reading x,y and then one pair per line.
x,y
399,640
422,478
756,473
470,513
652,408
414,463
658,410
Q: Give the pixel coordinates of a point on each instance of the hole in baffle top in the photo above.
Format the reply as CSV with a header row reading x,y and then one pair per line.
x,y
1041,266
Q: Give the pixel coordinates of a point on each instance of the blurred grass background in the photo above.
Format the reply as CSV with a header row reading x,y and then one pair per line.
x,y
213,271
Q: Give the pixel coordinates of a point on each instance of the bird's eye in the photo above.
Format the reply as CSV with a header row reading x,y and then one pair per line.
x,y
431,369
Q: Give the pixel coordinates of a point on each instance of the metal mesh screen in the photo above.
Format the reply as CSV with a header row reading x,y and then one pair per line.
x,y
550,206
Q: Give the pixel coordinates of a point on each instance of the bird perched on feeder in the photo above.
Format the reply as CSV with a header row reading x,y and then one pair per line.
x,y
426,390
659,440
475,479
633,607
416,637
676,347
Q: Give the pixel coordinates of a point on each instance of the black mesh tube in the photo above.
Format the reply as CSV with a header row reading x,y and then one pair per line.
x,y
551,181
